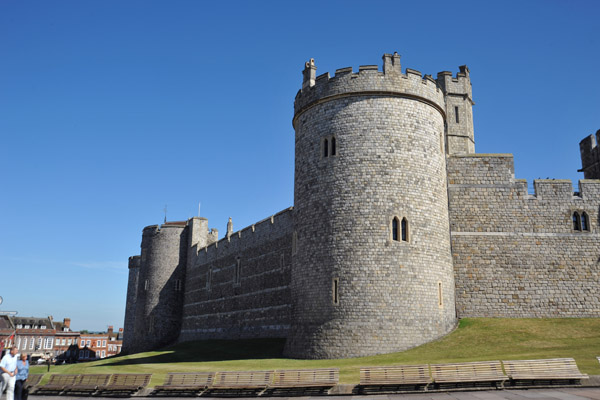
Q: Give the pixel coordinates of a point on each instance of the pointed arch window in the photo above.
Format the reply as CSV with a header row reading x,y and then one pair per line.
x,y
576,221
585,222
404,227
395,229
400,229
328,147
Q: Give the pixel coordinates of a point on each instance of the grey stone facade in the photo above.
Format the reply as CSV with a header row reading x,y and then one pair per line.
x,y
398,228
517,254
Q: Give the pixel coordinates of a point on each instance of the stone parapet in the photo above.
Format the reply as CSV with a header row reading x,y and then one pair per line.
x,y
370,81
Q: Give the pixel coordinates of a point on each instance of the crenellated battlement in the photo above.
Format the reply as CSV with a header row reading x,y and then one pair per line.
x,y
496,171
369,80
271,227
155,229
134,262
456,85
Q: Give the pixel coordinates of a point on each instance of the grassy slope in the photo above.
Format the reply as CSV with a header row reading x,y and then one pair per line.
x,y
476,339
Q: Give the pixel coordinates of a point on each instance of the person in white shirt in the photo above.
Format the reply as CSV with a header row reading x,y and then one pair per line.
x,y
8,366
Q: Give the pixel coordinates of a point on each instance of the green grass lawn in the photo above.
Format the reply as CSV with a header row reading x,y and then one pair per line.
x,y
476,339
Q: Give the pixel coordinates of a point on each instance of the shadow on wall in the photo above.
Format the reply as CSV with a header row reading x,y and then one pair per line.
x,y
210,350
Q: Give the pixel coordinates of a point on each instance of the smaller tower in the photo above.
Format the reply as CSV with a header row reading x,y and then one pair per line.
x,y
159,298
130,305
460,136
590,156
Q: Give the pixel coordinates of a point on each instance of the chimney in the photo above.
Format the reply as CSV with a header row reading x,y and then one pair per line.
x,y
110,329
67,323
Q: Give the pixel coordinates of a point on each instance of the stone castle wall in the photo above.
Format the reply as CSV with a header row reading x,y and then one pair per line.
x,y
517,254
238,287
328,274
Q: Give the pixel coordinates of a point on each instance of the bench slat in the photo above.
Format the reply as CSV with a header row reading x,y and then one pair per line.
x,y
395,375
242,379
33,380
58,382
187,381
126,382
554,368
305,378
481,371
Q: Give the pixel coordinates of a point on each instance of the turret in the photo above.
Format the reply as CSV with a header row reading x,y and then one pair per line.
x,y
229,228
460,136
590,156
371,263
131,302
161,275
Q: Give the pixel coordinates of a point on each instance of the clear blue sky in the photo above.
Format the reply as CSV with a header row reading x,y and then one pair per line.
x,y
111,109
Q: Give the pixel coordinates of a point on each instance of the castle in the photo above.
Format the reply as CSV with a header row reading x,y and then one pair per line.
x,y
398,229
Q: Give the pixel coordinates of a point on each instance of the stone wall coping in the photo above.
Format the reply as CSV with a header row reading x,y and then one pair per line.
x,y
475,155
249,229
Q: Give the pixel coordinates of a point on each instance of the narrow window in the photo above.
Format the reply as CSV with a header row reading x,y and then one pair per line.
x,y
178,285
237,279
151,324
456,114
395,229
404,230
281,261
294,243
325,148
440,297
208,278
146,284
585,226
333,145
336,294
576,221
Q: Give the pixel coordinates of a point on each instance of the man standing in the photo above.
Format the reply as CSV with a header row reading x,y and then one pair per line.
x,y
8,365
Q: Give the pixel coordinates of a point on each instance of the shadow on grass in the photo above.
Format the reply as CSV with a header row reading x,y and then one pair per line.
x,y
209,350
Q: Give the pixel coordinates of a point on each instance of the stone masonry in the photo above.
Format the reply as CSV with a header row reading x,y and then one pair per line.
x,y
398,229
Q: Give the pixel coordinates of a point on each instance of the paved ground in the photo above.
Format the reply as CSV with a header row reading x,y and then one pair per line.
x,y
531,394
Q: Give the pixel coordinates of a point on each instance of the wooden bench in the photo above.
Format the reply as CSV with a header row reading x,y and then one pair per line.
x,y
33,380
550,371
125,384
303,381
399,377
57,383
88,383
469,374
306,377
241,381
184,382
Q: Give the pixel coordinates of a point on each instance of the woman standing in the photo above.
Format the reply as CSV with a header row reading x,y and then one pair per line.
x,y
22,375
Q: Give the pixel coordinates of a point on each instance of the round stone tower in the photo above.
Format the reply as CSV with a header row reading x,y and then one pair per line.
x,y
371,267
158,307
